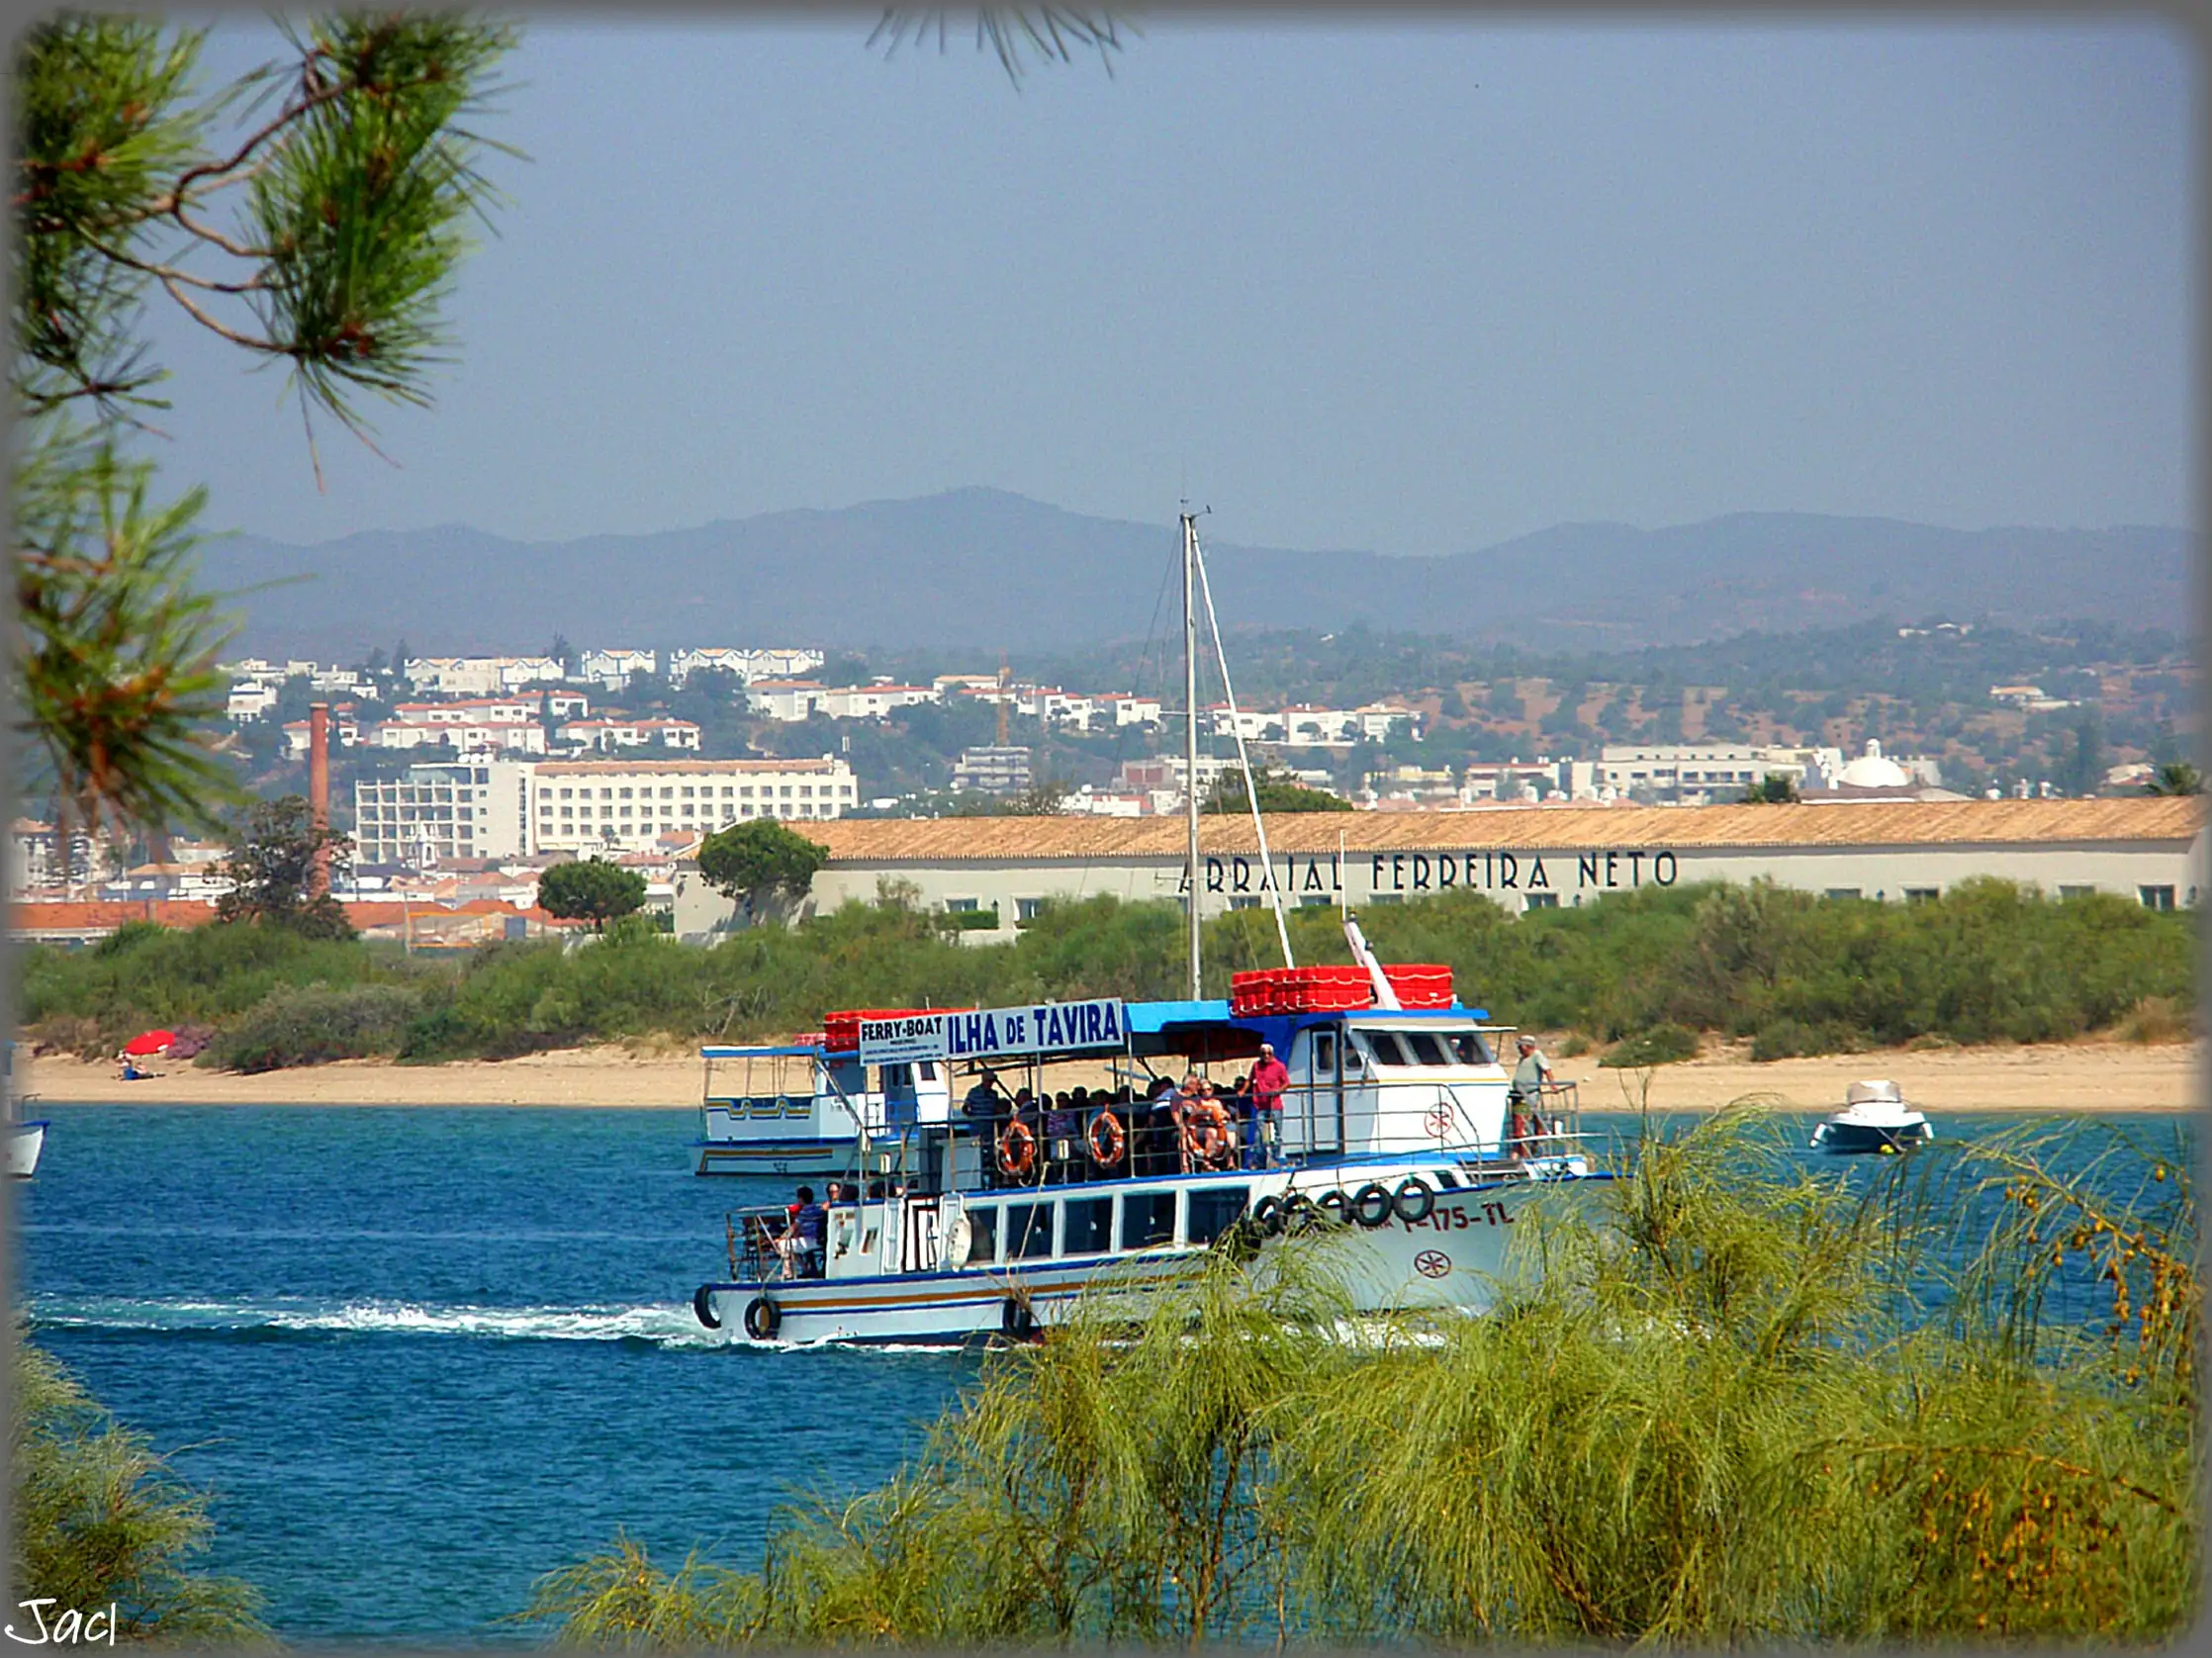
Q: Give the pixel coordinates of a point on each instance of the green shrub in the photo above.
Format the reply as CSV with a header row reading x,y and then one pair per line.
x,y
1987,962
1660,1046
1724,1417
99,1520
2157,1019
315,1025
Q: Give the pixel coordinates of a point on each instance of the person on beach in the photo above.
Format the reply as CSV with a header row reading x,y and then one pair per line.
x,y
1269,1078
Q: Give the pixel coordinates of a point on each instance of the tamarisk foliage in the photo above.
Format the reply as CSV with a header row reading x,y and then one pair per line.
x,y
1741,1403
312,215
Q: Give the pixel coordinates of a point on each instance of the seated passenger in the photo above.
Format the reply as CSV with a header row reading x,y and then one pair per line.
x,y
984,1103
1060,1127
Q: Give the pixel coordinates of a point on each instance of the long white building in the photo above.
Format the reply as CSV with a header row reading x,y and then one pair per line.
x,y
581,805
2152,849
489,808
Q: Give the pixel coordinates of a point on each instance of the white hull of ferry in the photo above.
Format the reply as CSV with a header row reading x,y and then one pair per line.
x,y
25,1142
1452,1258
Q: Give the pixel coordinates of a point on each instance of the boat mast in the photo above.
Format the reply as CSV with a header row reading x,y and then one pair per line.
x,y
1267,881
1190,743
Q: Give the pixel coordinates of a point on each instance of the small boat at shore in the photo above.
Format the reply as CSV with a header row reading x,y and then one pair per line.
x,y
24,1140
1874,1118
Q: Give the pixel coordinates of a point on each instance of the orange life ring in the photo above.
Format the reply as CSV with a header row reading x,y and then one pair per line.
x,y
1017,1150
1107,1140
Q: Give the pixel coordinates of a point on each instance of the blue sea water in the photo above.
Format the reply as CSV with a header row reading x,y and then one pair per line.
x,y
419,1356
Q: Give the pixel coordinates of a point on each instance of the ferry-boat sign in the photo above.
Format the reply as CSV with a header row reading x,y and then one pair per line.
x,y
992,1032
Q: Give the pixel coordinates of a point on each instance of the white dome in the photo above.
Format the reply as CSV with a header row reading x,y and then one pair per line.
x,y
1870,771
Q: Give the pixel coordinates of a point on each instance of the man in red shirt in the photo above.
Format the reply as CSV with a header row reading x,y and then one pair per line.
x,y
1269,1078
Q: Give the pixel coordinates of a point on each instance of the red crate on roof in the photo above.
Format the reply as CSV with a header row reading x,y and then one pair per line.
x,y
840,1030
1421,984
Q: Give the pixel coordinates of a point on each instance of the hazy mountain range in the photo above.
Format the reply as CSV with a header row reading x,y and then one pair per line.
x,y
984,568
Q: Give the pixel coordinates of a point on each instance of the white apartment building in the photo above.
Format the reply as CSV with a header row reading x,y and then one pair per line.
x,y
249,700
1308,726
610,736
443,810
747,665
1701,774
993,770
1254,725
871,702
614,668
471,736
345,732
788,700
467,710
480,676
586,805
1118,709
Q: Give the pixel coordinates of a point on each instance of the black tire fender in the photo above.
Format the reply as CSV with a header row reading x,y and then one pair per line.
x,y
1372,1205
1413,1200
1298,1213
1335,1208
1016,1321
1268,1215
761,1319
702,1305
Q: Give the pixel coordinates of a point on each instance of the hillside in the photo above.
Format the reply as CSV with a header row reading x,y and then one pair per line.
x,y
982,567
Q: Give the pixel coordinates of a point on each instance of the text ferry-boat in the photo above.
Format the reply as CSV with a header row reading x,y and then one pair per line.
x,y
1394,1125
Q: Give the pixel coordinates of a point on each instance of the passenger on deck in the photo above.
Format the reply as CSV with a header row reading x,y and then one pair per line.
x,y
806,1233
1163,1129
1061,1120
1526,1095
1213,1140
1269,1078
985,1103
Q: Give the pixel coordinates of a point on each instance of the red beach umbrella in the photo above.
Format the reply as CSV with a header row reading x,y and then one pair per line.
x,y
150,1042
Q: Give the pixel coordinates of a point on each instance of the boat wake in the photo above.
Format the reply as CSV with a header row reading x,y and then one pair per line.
x,y
278,1319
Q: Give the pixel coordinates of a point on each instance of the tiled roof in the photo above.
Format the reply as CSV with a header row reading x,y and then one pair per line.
x,y
608,768
1882,823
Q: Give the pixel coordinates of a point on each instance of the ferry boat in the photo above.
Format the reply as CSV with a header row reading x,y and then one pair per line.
x,y
802,1107
1394,1132
1874,1118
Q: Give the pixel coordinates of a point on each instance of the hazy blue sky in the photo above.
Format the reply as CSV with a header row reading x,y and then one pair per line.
x,y
1418,286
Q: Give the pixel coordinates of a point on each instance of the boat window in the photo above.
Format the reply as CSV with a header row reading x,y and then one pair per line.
x,y
897,1076
1427,1050
1468,1048
1086,1225
929,1071
1445,1177
1325,1053
984,1230
1148,1218
1387,1051
1214,1210
1029,1231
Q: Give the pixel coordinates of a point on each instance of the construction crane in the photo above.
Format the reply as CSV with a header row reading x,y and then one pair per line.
x,y
1003,673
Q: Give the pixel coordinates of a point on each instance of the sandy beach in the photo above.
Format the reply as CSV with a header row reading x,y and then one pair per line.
x,y
2056,1077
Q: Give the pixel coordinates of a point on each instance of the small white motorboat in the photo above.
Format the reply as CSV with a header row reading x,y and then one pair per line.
x,y
24,1140
1874,1118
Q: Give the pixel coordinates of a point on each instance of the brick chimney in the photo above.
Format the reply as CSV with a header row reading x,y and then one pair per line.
x,y
318,784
